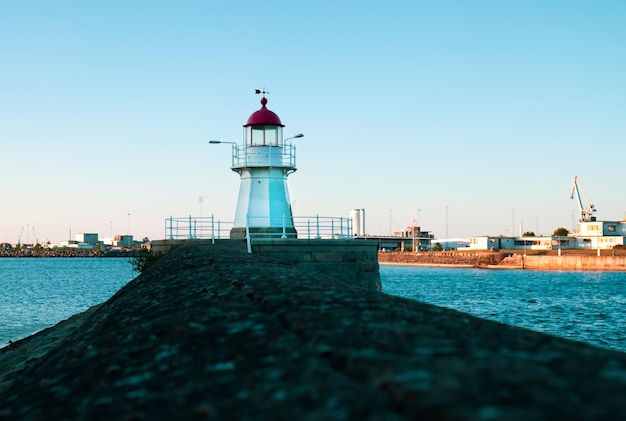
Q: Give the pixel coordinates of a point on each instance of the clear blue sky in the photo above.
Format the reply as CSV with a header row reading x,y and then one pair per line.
x,y
489,107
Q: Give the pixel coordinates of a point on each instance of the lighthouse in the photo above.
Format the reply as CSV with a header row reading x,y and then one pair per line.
x,y
263,162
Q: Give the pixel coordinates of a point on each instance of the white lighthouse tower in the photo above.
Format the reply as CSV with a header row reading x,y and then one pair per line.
x,y
263,162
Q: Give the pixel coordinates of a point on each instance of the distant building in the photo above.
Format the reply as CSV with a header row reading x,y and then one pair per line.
x,y
121,241
452,243
600,234
496,243
87,238
420,240
76,244
592,235
412,238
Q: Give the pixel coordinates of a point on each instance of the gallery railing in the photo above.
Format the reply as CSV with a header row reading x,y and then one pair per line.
x,y
209,227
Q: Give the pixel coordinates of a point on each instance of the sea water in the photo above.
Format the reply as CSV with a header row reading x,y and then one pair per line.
x,y
36,293
584,306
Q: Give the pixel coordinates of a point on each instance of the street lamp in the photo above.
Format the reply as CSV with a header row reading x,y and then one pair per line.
x,y
216,142
294,137
447,221
235,151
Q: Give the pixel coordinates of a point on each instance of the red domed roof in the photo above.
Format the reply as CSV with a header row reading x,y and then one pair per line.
x,y
263,117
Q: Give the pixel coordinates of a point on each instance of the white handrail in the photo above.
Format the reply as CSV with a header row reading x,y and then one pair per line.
x,y
306,227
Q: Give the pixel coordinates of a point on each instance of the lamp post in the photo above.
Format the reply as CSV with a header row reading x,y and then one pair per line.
x,y
234,146
513,221
216,142
447,221
537,226
294,137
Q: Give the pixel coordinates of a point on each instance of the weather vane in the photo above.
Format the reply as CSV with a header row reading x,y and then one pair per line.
x,y
259,91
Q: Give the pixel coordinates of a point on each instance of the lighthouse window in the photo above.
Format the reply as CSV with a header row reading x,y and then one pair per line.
x,y
264,135
258,136
271,135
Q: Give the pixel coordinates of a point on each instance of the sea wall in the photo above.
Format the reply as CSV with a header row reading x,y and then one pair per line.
x,y
212,332
568,262
505,260
354,262
351,261
442,258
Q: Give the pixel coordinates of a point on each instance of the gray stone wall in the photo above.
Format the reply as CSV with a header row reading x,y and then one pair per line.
x,y
353,262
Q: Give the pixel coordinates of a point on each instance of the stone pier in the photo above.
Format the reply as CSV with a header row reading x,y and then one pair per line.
x,y
354,262
212,332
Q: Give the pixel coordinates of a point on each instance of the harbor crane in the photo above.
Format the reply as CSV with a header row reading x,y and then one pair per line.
x,y
585,213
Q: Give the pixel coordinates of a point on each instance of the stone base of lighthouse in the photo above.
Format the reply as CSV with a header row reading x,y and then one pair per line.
x,y
264,232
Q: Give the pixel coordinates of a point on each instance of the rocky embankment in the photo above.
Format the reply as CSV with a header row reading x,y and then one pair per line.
x,y
68,252
443,258
211,332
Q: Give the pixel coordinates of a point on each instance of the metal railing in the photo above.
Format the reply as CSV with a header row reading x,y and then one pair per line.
x,y
194,228
250,156
307,227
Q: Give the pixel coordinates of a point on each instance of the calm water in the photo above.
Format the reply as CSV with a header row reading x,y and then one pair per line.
x,y
36,293
585,306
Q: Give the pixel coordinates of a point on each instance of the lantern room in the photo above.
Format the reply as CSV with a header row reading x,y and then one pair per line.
x,y
264,128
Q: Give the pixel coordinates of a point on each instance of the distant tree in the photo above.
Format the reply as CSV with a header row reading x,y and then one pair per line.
x,y
145,240
560,232
528,234
437,247
37,246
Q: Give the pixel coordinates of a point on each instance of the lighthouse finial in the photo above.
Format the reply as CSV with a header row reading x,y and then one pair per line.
x,y
264,92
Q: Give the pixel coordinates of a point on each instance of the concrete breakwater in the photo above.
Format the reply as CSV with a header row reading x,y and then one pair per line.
x,y
573,262
504,260
445,258
212,332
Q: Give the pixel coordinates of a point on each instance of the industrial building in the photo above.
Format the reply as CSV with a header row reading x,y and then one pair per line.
x,y
591,235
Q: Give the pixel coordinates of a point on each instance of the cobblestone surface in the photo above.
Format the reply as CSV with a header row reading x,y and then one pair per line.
x,y
214,333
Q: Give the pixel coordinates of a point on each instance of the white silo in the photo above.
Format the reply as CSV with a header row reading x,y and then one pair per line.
x,y
358,221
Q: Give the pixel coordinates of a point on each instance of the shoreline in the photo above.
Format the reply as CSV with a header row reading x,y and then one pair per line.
x,y
68,253
432,265
504,261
